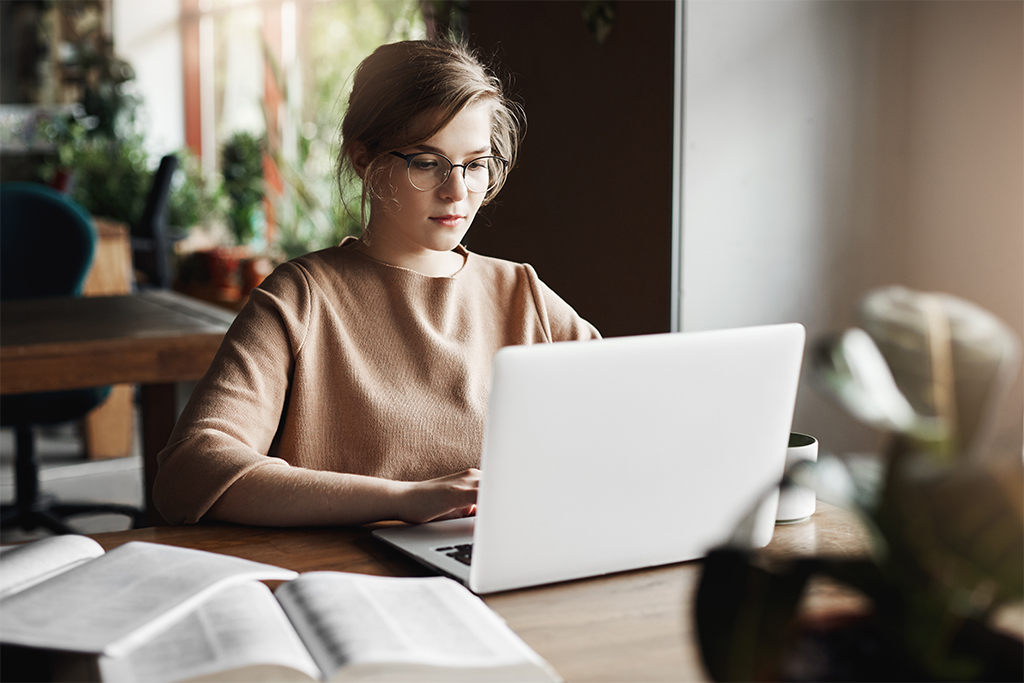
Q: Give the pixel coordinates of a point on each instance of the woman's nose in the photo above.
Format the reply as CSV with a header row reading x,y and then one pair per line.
x,y
454,187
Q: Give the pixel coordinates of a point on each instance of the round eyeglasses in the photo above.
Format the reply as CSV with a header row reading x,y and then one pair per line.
x,y
429,171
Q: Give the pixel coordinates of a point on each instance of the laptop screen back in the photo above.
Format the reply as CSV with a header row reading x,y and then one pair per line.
x,y
630,452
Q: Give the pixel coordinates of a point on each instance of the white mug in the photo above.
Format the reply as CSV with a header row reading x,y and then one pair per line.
x,y
797,503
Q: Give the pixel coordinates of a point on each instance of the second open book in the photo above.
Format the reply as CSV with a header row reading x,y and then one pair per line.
x,y
161,614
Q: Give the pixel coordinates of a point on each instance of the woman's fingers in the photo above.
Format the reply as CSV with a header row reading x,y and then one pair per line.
x,y
447,497
457,514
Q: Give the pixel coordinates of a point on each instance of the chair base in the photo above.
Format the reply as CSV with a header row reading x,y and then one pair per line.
x,y
33,509
50,515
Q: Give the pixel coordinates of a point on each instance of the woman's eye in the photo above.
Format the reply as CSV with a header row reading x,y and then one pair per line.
x,y
424,164
476,166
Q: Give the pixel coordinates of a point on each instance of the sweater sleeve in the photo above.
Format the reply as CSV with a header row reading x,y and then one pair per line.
x,y
556,315
230,421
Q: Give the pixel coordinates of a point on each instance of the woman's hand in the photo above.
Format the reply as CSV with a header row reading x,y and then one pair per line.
x,y
446,497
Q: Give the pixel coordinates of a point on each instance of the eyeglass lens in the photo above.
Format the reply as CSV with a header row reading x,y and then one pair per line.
x,y
429,171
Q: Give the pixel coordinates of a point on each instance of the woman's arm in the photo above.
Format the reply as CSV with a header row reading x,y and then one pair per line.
x,y
227,427
280,495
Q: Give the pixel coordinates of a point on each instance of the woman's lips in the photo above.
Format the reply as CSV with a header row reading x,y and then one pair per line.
x,y
448,221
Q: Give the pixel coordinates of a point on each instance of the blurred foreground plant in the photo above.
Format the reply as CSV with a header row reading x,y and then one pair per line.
x,y
947,522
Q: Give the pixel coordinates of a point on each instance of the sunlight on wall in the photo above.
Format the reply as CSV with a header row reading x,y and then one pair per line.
x,y
787,154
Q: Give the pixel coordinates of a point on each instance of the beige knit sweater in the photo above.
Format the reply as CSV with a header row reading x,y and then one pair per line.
x,y
340,362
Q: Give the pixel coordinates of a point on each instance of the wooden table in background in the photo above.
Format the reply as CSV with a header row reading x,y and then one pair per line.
x,y
155,339
632,626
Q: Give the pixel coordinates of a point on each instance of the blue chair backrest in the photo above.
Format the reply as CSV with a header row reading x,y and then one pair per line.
x,y
47,242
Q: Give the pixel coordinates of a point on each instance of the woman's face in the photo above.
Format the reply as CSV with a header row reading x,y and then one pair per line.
x,y
411,223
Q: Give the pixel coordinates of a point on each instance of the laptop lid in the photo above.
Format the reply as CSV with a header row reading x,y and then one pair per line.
x,y
629,452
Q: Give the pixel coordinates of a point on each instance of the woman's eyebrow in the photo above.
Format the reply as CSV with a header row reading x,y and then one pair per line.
x,y
435,150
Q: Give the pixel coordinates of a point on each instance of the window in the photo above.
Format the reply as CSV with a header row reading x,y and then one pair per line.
x,y
283,69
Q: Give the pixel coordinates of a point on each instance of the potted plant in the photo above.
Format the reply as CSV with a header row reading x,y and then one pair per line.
x,y
242,170
218,273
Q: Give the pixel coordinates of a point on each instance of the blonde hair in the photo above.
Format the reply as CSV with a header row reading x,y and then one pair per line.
x,y
406,92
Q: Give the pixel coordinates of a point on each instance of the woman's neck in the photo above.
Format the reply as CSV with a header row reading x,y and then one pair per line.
x,y
425,261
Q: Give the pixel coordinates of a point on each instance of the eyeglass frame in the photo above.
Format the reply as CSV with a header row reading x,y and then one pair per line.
x,y
451,167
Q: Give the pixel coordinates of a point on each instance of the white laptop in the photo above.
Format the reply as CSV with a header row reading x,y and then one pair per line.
x,y
623,453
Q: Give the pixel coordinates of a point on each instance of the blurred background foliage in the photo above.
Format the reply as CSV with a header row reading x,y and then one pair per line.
x,y
312,211
242,173
101,156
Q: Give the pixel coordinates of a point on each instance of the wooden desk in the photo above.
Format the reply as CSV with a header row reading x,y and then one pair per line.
x,y
155,339
634,626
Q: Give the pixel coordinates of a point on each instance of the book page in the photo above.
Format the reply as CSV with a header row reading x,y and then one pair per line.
x,y
118,600
352,619
239,633
27,564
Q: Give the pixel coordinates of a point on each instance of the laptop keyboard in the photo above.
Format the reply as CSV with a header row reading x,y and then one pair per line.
x,y
463,553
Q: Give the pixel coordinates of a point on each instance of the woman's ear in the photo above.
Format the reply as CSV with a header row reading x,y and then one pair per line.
x,y
360,159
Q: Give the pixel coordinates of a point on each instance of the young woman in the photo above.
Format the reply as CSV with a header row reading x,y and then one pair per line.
x,y
353,386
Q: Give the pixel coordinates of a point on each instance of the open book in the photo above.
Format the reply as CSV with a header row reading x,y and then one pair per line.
x,y
334,626
321,626
65,593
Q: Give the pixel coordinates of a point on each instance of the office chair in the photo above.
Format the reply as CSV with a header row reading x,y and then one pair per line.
x,y
150,239
47,243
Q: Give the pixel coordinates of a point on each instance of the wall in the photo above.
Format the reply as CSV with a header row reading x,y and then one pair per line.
x,y
965,193
833,147
792,171
589,204
147,36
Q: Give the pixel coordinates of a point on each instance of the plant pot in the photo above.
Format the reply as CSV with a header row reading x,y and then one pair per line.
x,y
254,271
223,265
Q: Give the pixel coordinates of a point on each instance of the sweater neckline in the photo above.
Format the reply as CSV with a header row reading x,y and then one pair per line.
x,y
350,242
